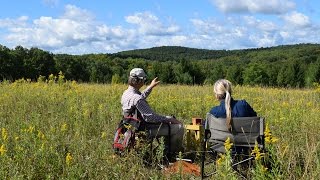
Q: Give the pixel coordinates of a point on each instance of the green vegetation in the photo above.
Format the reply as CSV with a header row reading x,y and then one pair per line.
x,y
52,129
64,130
281,66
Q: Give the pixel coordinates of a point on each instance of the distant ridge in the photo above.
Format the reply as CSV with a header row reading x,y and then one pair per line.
x,y
175,53
167,53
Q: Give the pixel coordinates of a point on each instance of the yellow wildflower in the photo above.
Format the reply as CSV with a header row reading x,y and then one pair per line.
x,y
40,135
228,144
268,136
103,134
74,83
61,77
19,148
64,127
264,169
221,159
100,107
52,78
4,134
86,113
30,129
3,150
256,152
68,158
274,139
42,147
267,131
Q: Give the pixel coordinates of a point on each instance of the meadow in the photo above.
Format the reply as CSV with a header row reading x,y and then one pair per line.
x,y
64,130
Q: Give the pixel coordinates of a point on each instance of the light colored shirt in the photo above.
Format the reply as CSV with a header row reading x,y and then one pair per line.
x,y
134,99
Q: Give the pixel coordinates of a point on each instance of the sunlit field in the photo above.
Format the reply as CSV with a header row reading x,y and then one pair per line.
x,y
65,130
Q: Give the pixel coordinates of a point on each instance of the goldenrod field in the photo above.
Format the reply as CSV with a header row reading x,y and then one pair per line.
x,y
65,130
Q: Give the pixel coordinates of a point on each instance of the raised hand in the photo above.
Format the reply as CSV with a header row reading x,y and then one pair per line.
x,y
154,82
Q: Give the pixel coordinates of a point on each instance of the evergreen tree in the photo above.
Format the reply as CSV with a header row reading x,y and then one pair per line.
x,y
255,74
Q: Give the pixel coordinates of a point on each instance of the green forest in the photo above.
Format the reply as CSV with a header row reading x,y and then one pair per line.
x,y
281,66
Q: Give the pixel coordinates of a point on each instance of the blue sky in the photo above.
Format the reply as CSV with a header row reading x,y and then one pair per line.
x,y
109,26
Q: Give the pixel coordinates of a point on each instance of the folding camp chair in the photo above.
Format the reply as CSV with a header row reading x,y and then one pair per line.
x,y
245,133
132,127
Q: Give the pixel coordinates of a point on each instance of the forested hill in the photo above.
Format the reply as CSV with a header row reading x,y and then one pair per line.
x,y
281,66
177,53
174,53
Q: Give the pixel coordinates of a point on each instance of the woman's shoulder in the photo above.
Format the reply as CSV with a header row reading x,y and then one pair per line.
x,y
218,111
241,102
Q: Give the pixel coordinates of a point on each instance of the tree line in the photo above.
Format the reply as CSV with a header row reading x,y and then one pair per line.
x,y
281,66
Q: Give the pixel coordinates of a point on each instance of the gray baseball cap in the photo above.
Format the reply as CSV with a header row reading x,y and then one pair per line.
x,y
138,72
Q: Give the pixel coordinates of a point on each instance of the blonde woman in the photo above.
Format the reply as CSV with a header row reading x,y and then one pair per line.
x,y
229,107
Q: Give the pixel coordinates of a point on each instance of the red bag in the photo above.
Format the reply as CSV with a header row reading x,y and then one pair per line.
x,y
124,137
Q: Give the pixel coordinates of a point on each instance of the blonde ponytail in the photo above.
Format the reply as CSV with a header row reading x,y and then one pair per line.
x,y
222,89
228,110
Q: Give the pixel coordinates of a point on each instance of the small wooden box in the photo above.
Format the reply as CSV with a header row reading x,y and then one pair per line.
x,y
196,121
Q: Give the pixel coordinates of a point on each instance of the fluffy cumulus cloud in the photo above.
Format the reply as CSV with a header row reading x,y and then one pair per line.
x,y
208,26
250,32
298,28
297,19
211,34
254,6
262,25
149,24
8,23
77,31
76,26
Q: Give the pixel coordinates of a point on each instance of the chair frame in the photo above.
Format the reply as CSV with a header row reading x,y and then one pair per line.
x,y
245,133
141,122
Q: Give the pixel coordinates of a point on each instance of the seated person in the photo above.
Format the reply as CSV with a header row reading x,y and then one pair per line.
x,y
134,103
229,107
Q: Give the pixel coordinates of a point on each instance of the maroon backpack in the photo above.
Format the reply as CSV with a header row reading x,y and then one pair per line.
x,y
124,137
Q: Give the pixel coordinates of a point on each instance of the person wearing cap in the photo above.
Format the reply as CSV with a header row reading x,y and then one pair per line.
x,y
134,103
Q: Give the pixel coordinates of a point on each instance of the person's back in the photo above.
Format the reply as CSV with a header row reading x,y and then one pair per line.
x,y
229,107
130,99
239,108
133,101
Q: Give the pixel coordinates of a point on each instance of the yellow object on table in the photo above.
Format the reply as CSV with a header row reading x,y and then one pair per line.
x,y
194,134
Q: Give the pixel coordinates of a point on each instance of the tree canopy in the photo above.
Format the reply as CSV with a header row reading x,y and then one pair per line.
x,y
285,66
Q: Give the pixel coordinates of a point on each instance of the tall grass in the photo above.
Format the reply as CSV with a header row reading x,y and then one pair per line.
x,y
65,130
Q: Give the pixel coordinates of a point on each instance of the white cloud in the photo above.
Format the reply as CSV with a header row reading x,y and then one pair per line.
x,y
51,33
8,23
149,24
75,13
300,35
77,31
263,25
297,28
76,28
254,6
297,19
236,33
264,39
208,27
